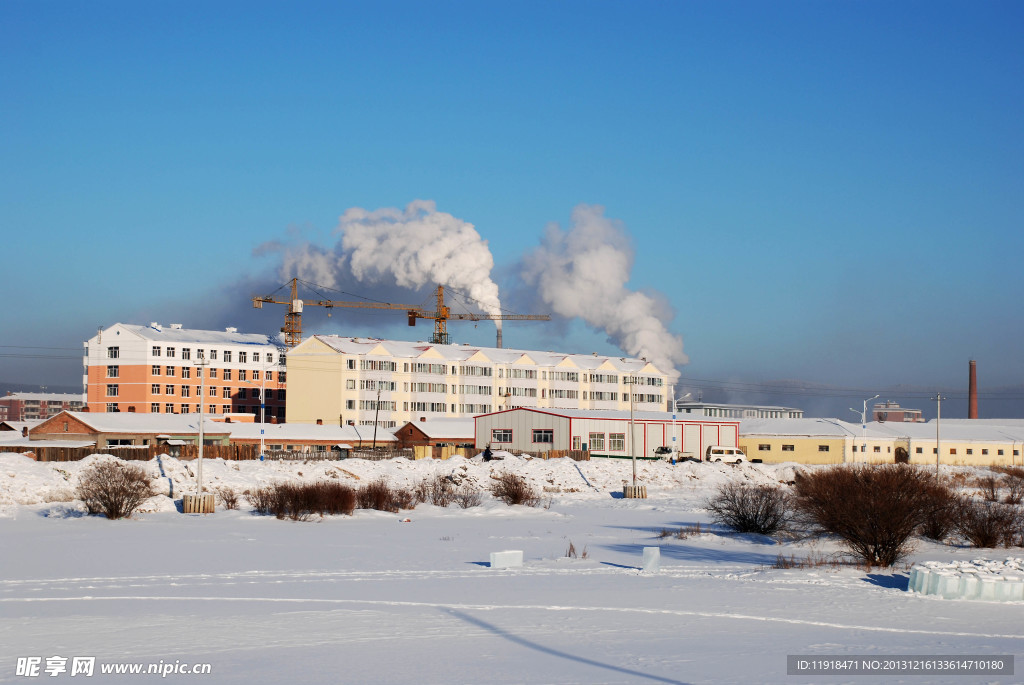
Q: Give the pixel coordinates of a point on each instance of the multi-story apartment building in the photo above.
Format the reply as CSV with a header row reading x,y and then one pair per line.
x,y
169,369
721,410
32,406
362,381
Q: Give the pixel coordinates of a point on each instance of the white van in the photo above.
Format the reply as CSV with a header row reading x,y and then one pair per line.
x,y
732,455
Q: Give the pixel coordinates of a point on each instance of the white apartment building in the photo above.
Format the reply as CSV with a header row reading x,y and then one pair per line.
x,y
362,381
172,370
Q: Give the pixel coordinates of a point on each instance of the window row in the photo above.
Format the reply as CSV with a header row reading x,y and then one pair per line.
x,y
225,355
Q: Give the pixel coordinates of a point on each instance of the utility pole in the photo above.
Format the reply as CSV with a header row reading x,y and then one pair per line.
x,y
202,364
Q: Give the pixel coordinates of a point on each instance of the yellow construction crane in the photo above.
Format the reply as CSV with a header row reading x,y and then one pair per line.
x,y
292,328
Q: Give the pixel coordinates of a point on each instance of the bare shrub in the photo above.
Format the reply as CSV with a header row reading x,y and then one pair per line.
x,y
744,508
511,488
333,498
377,495
261,499
989,486
572,554
940,516
438,490
989,524
403,498
228,497
1014,490
114,488
874,510
467,496
300,501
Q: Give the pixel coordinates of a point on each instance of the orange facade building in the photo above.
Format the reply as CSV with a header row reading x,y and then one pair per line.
x,y
174,370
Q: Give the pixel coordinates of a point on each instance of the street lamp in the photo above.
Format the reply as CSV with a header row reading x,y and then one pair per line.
x,y
864,423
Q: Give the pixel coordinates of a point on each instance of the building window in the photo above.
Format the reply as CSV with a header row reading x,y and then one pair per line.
x,y
185,391
280,376
156,350
186,372
616,442
170,352
226,393
596,441
823,448
213,391
952,450
350,384
270,358
111,407
241,374
268,375
186,353
155,370
242,357
254,393
503,435
155,389
168,408
113,352
350,404
169,371
984,452
999,452
227,374
213,355
255,357
576,442
168,389
918,450
113,371
111,391
227,356
970,451
154,408
213,373
878,448
225,409
184,409
767,448
200,354
543,435
787,448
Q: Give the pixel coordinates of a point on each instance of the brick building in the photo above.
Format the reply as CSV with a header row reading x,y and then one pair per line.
x,y
33,406
158,369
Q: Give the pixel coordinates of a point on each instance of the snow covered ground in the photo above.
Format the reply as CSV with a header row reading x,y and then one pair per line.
x,y
372,599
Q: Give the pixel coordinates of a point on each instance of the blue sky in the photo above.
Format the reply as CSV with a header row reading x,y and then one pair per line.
x,y
828,192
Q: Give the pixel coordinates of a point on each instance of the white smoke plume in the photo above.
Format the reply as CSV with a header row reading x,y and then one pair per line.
x,y
419,246
583,273
415,247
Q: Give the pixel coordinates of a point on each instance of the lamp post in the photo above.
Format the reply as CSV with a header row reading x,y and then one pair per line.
x,y
263,406
938,421
864,423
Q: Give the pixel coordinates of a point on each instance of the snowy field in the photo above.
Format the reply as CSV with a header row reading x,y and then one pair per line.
x,y
374,599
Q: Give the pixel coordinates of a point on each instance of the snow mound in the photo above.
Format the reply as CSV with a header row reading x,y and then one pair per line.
x,y
982,579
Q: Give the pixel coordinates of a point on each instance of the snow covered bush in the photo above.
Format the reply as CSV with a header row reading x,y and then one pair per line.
x,y
512,488
439,490
228,497
988,523
874,510
114,488
746,508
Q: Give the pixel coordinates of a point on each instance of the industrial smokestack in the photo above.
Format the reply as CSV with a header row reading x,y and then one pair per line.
x,y
972,392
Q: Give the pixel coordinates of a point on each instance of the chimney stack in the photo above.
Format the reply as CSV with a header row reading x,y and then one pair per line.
x,y
972,392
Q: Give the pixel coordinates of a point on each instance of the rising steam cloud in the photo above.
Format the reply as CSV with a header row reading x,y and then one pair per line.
x,y
583,272
580,273
415,247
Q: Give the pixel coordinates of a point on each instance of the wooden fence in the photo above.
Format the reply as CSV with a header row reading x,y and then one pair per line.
x,y
139,453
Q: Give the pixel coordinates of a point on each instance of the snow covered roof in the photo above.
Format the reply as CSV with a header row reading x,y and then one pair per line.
x,y
45,396
447,427
459,353
173,334
129,422
282,432
965,431
18,425
619,415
